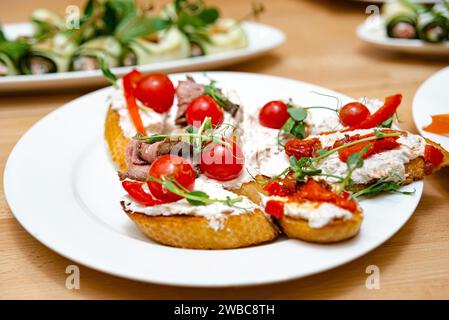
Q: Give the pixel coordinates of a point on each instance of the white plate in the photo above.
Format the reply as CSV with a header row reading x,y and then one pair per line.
x,y
261,39
373,31
63,189
432,98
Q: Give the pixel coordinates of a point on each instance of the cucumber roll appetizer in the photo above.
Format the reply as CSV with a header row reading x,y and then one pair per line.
x,y
224,35
431,26
401,20
50,55
46,22
442,9
89,55
170,44
10,53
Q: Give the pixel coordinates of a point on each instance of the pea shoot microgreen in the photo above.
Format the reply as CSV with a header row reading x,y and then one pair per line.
x,y
216,94
382,185
197,137
197,198
296,125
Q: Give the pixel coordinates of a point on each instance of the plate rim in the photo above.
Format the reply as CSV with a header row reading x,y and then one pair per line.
x,y
106,269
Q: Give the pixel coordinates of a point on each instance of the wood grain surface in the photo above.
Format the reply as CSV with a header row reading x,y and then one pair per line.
x,y
321,48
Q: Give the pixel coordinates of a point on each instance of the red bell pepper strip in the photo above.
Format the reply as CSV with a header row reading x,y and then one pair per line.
x,y
135,190
129,85
390,106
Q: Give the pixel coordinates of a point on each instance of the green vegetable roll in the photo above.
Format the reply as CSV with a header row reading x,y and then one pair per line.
x,y
401,20
46,22
89,54
442,9
10,53
224,35
166,45
7,65
50,55
432,27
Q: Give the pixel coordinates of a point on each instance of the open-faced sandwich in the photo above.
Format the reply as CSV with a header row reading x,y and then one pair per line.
x,y
202,171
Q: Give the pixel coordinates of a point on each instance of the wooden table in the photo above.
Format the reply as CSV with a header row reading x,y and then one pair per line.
x,y
322,48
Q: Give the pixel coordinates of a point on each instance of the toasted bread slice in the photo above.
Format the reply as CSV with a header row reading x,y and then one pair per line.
x,y
338,230
189,231
195,232
115,139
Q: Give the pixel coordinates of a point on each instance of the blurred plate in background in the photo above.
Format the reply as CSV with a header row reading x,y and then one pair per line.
x,y
261,39
432,98
373,31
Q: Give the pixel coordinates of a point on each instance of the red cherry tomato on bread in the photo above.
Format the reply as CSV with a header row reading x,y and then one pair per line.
x,y
170,166
156,91
202,107
274,114
221,162
353,113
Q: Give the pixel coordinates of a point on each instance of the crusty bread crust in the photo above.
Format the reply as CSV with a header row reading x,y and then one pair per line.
x,y
115,139
336,231
195,232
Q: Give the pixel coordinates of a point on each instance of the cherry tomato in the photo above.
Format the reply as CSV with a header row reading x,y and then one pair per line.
x,y
202,107
222,162
156,91
353,113
274,114
134,77
170,166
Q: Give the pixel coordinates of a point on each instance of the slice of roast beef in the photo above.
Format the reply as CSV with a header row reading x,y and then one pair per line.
x,y
186,92
140,155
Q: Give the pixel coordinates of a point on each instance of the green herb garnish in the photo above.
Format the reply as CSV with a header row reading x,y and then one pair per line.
x,y
197,198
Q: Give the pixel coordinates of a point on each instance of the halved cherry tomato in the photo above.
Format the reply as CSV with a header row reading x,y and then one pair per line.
x,y
274,114
221,162
390,106
202,107
275,208
433,157
134,76
134,189
129,85
170,166
353,113
156,91
302,148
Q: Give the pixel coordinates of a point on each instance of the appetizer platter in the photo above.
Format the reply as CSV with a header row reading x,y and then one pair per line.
x,y
430,109
52,52
409,27
169,171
